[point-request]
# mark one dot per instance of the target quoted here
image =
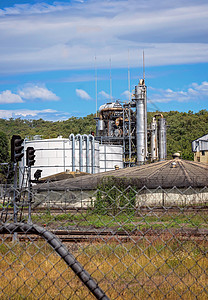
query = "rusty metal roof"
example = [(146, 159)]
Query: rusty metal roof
[(166, 174), (62, 176)]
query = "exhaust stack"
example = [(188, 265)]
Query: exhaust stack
[(154, 140), (141, 122), (162, 139), (158, 138)]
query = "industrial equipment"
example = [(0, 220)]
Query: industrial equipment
[(126, 124)]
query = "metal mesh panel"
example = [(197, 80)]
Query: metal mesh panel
[(135, 243)]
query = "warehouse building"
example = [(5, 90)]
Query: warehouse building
[(200, 149)]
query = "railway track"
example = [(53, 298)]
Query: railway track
[(67, 236)]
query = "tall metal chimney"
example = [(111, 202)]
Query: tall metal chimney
[(141, 122), (162, 139), (154, 142)]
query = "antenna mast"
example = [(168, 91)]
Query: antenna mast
[(110, 82), (96, 84), (129, 78), (143, 67)]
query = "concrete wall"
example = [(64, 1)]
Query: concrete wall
[(144, 197), (172, 197), (201, 156)]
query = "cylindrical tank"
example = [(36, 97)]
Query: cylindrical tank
[(101, 125), (79, 152), (140, 123), (154, 143), (110, 156), (162, 139)]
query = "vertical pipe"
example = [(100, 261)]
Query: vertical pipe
[(129, 111), (162, 139), (110, 83), (92, 153), (15, 200), (15, 192), (29, 221), (140, 123), (105, 157), (64, 156), (97, 124), (124, 142), (96, 85), (72, 138), (79, 137), (129, 79), (86, 137), (154, 144), (145, 120)]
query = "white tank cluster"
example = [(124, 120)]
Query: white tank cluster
[(80, 152)]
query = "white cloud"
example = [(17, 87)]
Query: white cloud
[(47, 114), (194, 93), (104, 95), (30, 92), (29, 9), (8, 97), (83, 94), (37, 92), (65, 35), (126, 94)]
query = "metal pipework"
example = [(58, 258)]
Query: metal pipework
[(140, 123), (162, 139), (79, 138), (154, 142), (72, 138), (92, 138), (86, 137)]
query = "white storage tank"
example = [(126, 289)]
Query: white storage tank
[(110, 156), (80, 152)]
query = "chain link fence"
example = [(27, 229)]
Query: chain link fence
[(105, 243)]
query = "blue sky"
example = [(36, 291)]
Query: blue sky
[(48, 50)]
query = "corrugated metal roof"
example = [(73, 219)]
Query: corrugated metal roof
[(204, 137), (200, 144), (167, 174)]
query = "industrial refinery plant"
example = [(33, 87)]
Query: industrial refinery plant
[(123, 139), (126, 125)]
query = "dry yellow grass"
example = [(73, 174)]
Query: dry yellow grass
[(142, 270)]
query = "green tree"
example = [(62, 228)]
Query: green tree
[(4, 149), (4, 156), (183, 128)]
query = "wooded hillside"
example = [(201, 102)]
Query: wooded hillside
[(183, 128)]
